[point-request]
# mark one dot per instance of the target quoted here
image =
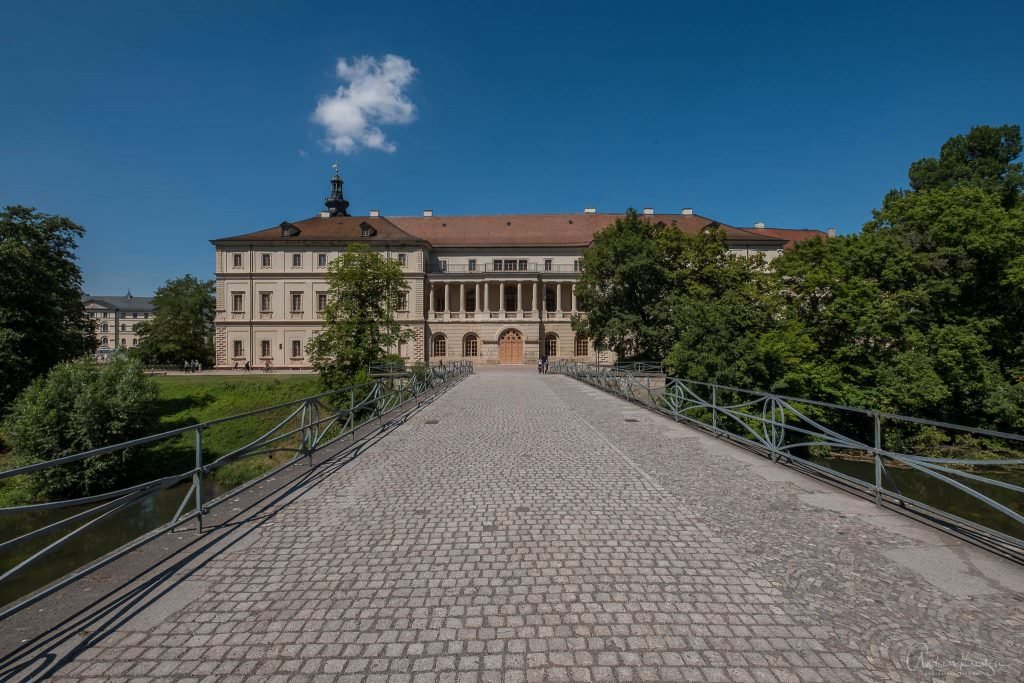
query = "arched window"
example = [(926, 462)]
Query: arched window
[(106, 327), (551, 345), (440, 346), (124, 328), (103, 341), (582, 346), (470, 346)]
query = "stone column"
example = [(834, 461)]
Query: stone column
[(447, 301), (479, 297), (430, 298), (558, 298), (462, 299), (572, 291), (501, 299), (487, 297), (519, 298), (536, 309)]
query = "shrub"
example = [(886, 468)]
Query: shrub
[(79, 406)]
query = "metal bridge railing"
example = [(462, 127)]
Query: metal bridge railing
[(303, 427), (966, 477)]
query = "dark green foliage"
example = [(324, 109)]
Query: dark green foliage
[(182, 324), (79, 406), (629, 273), (983, 158), (42, 317), (364, 290)]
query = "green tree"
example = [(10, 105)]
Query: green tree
[(182, 326), (923, 312), (42, 317), (364, 290), (628, 273), (983, 158), (78, 406)]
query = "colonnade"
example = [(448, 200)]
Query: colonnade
[(482, 290)]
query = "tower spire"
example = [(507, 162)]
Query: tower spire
[(336, 204)]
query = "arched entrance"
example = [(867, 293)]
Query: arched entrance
[(510, 347)]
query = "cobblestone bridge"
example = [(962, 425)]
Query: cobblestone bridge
[(530, 528)]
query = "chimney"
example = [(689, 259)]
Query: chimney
[(590, 209), (427, 213), (831, 232), (759, 225), (325, 214), (374, 213), (648, 211), (687, 211)]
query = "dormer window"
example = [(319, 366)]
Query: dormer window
[(366, 230), (288, 230)]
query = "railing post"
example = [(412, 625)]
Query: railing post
[(197, 478), (714, 407), (878, 458)]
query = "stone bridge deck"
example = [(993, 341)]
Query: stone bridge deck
[(530, 528)]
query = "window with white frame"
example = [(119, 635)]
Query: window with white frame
[(236, 260), (266, 301), (471, 346), (236, 348), (403, 302), (296, 302), (403, 260), (439, 348), (296, 348), (296, 260), (582, 346), (237, 301), (321, 302), (321, 260), (264, 348), (547, 264), (472, 265), (264, 260)]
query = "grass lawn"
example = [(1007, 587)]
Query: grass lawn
[(191, 399), (187, 400)]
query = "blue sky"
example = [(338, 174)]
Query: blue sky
[(159, 126)]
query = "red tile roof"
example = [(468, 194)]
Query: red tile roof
[(510, 230), (791, 235)]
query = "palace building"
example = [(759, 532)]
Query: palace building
[(490, 289)]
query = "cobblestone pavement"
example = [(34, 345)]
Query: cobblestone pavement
[(521, 529)]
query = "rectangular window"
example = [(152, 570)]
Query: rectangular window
[(510, 265), (497, 266), (265, 301), (264, 348), (549, 298), (577, 265), (236, 302), (547, 264), (403, 302), (321, 260), (296, 348), (236, 349), (296, 302), (296, 260), (135, 315), (522, 265), (442, 266), (402, 259), (265, 260), (472, 265), (236, 260), (321, 302)]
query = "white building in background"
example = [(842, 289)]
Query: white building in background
[(114, 319), (490, 289)]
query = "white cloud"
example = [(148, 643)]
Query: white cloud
[(371, 95)]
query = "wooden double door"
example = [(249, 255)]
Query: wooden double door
[(510, 347)]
